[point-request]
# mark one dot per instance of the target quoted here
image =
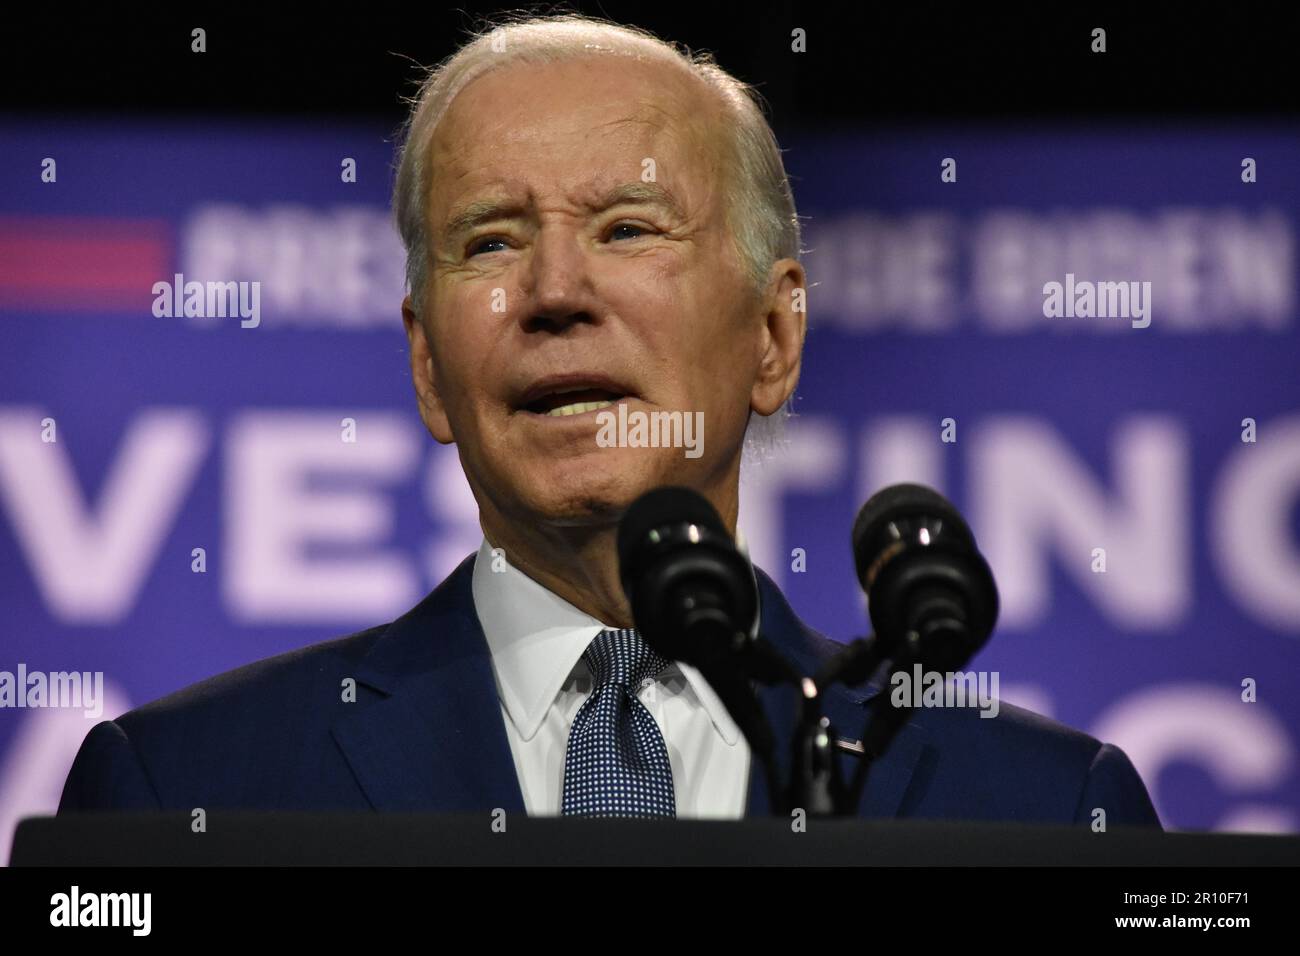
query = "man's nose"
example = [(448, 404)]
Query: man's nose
[(558, 279)]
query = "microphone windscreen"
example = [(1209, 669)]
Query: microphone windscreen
[(672, 504), (896, 503)]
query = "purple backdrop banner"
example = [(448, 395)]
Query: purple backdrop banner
[(1085, 336)]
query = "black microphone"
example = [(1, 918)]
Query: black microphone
[(694, 599), (931, 597), (930, 593), (693, 594)]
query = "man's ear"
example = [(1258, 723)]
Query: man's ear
[(785, 323), (426, 385)]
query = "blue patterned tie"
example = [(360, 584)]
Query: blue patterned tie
[(616, 764)]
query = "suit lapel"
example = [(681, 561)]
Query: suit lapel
[(889, 777), (435, 740)]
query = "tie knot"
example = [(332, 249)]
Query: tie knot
[(622, 657)]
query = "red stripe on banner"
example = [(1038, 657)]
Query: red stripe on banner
[(64, 262)]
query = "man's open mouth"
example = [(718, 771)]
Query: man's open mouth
[(573, 403), (561, 396)]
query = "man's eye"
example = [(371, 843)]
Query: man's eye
[(613, 233), (478, 245)]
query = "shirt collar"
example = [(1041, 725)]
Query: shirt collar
[(536, 638)]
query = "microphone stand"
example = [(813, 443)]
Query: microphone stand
[(883, 724), (814, 784), (856, 664)]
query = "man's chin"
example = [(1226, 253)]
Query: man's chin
[(585, 497)]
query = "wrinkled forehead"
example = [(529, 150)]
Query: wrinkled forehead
[(582, 124)]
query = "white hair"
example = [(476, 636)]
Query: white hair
[(759, 204)]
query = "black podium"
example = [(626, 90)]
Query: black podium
[(369, 839)]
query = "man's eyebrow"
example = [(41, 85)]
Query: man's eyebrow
[(650, 193), (479, 212), (487, 210)]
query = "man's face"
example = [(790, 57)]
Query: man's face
[(577, 280)]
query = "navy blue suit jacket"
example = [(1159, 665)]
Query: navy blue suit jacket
[(426, 733)]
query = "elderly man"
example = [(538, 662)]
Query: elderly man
[(595, 223)]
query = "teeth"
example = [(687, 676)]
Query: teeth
[(577, 408)]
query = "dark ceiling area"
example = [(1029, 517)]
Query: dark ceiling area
[(863, 62)]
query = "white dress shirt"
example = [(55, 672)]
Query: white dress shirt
[(536, 639)]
